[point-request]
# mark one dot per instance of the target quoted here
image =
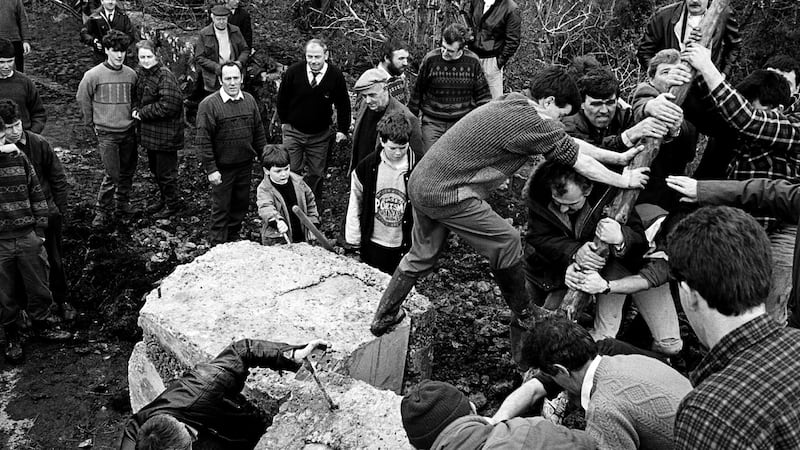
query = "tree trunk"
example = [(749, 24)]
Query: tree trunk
[(575, 301)]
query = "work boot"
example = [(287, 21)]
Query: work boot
[(167, 212), (48, 330), (65, 311), (390, 311), (511, 281), (101, 220), (12, 348)]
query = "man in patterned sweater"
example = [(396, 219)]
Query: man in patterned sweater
[(105, 97), (23, 261), (229, 134), (630, 400), (449, 186), (451, 83)]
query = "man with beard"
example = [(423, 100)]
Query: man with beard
[(377, 103), (394, 63)]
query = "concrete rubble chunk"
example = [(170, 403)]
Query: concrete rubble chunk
[(287, 294)]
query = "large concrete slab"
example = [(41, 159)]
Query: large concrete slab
[(287, 294)]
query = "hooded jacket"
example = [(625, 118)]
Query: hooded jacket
[(529, 433)]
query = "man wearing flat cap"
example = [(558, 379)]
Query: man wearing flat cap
[(376, 104), (437, 416), (217, 44)]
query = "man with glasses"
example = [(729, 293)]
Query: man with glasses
[(205, 407), (451, 83)]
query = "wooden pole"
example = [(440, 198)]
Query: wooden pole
[(619, 209)]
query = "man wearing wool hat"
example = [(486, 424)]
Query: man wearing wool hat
[(438, 416), (376, 104)]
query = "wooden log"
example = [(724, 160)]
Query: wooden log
[(619, 209)]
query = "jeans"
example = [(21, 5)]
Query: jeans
[(494, 76), (229, 203), (118, 153), (309, 151), (164, 166), (782, 245), (23, 260), (432, 130), (472, 220), (658, 310)]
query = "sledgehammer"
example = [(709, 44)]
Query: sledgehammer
[(323, 241), (331, 405)]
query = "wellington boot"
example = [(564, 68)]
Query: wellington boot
[(511, 281), (12, 348), (390, 312)]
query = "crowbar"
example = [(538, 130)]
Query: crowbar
[(323, 241), (332, 406)]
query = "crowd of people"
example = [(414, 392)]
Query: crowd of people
[(425, 157)]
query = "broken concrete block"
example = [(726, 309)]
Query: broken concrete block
[(287, 294), (144, 381), (366, 418)]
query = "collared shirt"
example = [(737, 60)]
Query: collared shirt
[(224, 41), (588, 382), (226, 98), (487, 4), (320, 74), (747, 392), (769, 147)]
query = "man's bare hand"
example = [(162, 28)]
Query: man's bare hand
[(574, 276), (636, 178), (626, 157), (609, 231), (26, 48), (694, 36), (700, 58), (587, 258), (593, 283), (340, 136), (685, 186), (215, 178), (300, 355), (649, 127), (663, 109)]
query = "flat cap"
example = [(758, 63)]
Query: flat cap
[(370, 78), (220, 10)]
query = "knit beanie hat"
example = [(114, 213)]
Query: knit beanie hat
[(428, 408), (6, 49)]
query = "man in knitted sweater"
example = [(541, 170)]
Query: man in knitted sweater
[(306, 97), (23, 261), (105, 96), (53, 180), (229, 135), (449, 186), (451, 83), (630, 400), (19, 88), (14, 27)]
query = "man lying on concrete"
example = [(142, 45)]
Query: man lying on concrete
[(206, 407), (449, 186), (630, 400), (437, 416)]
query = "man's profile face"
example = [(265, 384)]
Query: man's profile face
[(315, 56), (599, 111), (108, 5), (220, 22), (660, 79), (451, 52), (398, 63), (376, 97), (571, 201), (13, 132), (697, 7), (6, 67), (231, 80)]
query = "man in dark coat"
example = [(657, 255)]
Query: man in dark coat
[(497, 27), (104, 19), (206, 407), (208, 49), (677, 24), (376, 104)]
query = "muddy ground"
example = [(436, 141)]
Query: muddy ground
[(75, 395)]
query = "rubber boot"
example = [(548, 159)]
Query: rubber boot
[(390, 312), (511, 281), (12, 348)]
